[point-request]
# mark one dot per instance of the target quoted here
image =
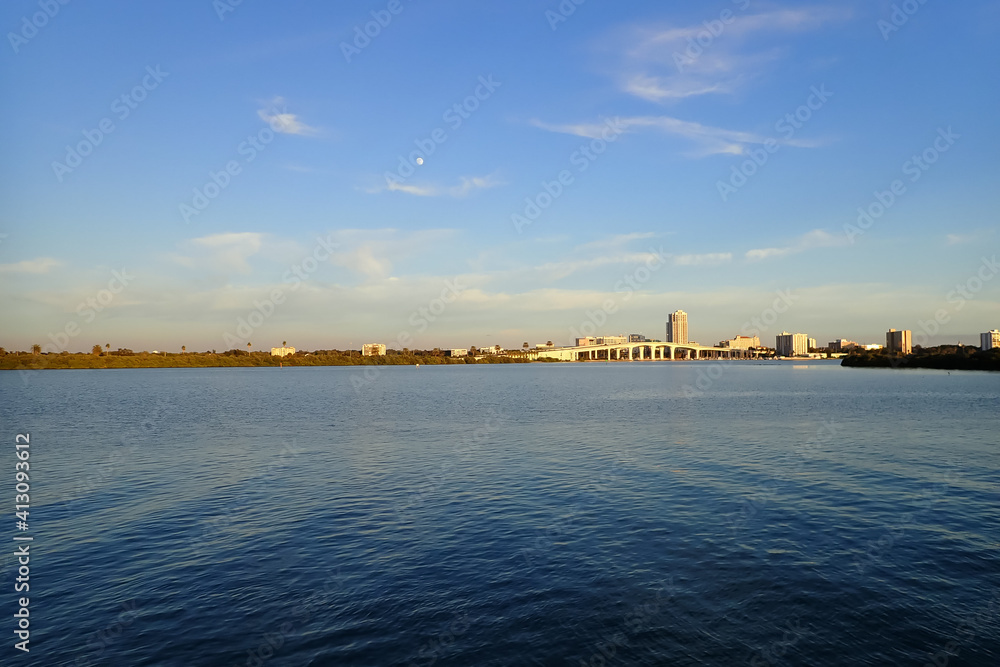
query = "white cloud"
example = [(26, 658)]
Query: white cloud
[(670, 63), (227, 251), (709, 140), (707, 259), (466, 186), (817, 238), (971, 237), (276, 115), (31, 266)]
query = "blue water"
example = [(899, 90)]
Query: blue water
[(561, 514)]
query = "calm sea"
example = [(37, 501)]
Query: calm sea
[(563, 514)]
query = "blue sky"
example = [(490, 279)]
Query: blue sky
[(713, 155)]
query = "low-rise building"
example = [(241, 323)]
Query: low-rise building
[(637, 338), (989, 340), (282, 351), (585, 341), (373, 350), (841, 345), (741, 342), (458, 352)]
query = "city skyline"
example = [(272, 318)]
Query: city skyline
[(621, 161)]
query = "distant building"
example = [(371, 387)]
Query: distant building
[(791, 345), (841, 345), (373, 350), (458, 352), (873, 346), (612, 340), (282, 351), (899, 341), (637, 338), (585, 341), (812, 343), (677, 327), (741, 343), (989, 340)]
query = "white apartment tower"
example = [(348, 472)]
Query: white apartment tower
[(677, 327)]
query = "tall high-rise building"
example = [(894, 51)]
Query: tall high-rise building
[(791, 345), (899, 341), (989, 340), (677, 327)]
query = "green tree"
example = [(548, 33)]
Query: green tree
[(96, 350)]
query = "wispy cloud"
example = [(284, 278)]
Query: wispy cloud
[(31, 266), (276, 115), (709, 140), (466, 186), (971, 237), (227, 251), (671, 62), (707, 259), (817, 238)]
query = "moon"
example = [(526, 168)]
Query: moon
[(420, 160)]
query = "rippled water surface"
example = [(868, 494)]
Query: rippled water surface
[(557, 514)]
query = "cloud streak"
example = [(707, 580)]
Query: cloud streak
[(276, 115)]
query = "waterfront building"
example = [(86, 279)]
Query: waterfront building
[(989, 340), (637, 338), (282, 351), (586, 340), (873, 346), (458, 352), (791, 345), (812, 343), (899, 341), (677, 327), (841, 345), (373, 350), (612, 340), (741, 343)]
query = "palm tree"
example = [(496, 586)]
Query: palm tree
[(96, 350), (284, 343), (107, 346), (183, 348), (36, 349), (248, 348)]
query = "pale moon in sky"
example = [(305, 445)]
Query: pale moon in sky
[(420, 160)]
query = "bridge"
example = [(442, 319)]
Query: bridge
[(645, 351)]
